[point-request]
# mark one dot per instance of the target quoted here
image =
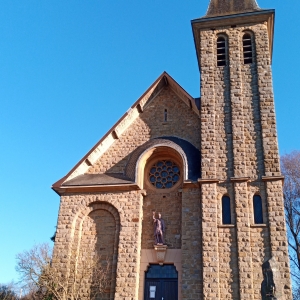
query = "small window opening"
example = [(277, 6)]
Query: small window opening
[(226, 211), (247, 49), (257, 209), (221, 52), (166, 115)]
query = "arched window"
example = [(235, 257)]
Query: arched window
[(257, 209), (247, 48), (226, 211), (221, 51)]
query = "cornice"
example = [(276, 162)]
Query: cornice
[(96, 188), (272, 178), (240, 179), (212, 23)]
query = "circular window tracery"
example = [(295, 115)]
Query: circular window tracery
[(164, 174)]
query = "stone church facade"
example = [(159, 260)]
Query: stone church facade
[(209, 165)]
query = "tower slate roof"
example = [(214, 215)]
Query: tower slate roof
[(230, 7)]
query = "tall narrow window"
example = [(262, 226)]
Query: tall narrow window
[(226, 211), (247, 48), (257, 209), (166, 115), (221, 52)]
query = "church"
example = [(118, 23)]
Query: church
[(184, 195)]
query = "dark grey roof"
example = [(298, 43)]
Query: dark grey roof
[(193, 156), (98, 179), (198, 102), (231, 7)]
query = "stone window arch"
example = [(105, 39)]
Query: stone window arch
[(163, 169), (161, 152), (187, 154)]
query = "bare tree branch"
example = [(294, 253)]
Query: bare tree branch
[(290, 167), (84, 279)]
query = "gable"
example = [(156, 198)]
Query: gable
[(182, 123), (144, 121)]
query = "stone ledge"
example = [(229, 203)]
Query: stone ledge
[(272, 178), (240, 179), (227, 226), (258, 225), (160, 251), (97, 188), (190, 184), (208, 180)]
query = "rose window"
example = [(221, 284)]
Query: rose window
[(164, 174)]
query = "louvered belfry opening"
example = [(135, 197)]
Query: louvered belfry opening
[(247, 48), (221, 52)]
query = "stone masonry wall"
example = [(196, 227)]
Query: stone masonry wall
[(128, 207), (209, 160), (182, 122), (223, 125), (210, 247), (254, 158), (267, 109), (192, 278), (227, 246), (243, 217), (239, 155), (228, 266), (99, 235), (278, 240)]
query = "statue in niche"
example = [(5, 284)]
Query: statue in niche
[(268, 287), (159, 229)]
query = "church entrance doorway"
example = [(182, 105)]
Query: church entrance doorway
[(161, 283)]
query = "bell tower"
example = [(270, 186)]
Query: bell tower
[(239, 153)]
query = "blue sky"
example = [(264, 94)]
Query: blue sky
[(70, 69)]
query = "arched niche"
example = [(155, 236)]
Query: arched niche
[(160, 152), (169, 157), (164, 200), (100, 236), (187, 153)]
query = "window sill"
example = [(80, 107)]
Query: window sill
[(226, 226), (258, 225)]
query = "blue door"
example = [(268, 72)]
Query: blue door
[(161, 283)]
